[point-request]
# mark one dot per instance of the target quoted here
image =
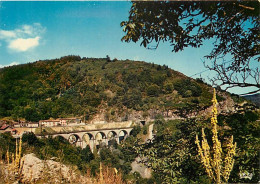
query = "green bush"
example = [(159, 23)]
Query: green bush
[(168, 88), (145, 130), (29, 138), (187, 88), (153, 90), (136, 130)]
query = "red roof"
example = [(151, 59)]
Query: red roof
[(5, 126)]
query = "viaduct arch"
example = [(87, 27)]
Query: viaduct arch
[(95, 138)]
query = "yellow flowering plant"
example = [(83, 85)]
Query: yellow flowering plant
[(217, 169), (17, 160)]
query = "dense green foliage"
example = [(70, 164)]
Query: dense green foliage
[(61, 150), (74, 86), (245, 128), (172, 155), (187, 88)]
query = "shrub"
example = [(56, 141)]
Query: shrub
[(187, 88), (136, 130), (153, 90), (29, 138), (145, 130)]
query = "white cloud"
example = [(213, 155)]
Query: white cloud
[(23, 38), (11, 64), (31, 30), (22, 45), (7, 34), (28, 29)]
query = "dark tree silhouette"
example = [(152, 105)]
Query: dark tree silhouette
[(234, 27)]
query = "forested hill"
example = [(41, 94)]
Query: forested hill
[(254, 98), (75, 86)]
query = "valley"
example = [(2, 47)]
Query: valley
[(128, 115)]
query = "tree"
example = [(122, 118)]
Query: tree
[(86, 155), (31, 114), (153, 90), (29, 138), (108, 58), (187, 88), (233, 27), (136, 130), (172, 154), (245, 129)]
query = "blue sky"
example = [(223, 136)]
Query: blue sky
[(31, 31)]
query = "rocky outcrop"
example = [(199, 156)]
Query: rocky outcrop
[(142, 169), (49, 171)]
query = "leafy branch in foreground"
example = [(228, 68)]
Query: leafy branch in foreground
[(232, 26), (216, 169)]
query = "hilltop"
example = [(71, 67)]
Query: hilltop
[(100, 89), (255, 98)]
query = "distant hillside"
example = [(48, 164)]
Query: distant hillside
[(254, 98), (93, 88)]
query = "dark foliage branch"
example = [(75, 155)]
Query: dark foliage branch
[(233, 25), (229, 78)]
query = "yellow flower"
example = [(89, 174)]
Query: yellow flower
[(214, 163)]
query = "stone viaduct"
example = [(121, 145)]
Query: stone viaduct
[(94, 135)]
